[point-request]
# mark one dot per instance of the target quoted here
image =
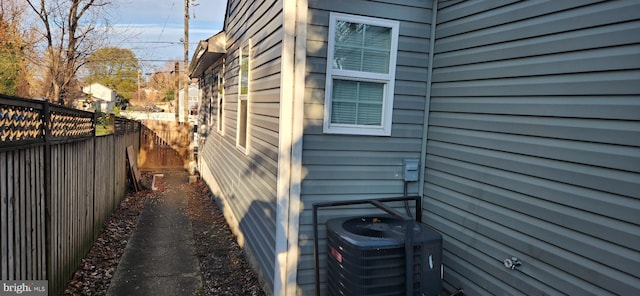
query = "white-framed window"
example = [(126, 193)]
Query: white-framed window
[(219, 95), (242, 136), (361, 66)]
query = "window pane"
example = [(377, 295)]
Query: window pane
[(349, 34), (343, 113), (244, 74), (376, 61), (377, 38), (357, 102), (242, 126), (220, 114), (344, 102), (362, 47), (347, 58), (371, 92), (369, 114)]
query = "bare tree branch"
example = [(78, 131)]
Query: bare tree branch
[(71, 35)]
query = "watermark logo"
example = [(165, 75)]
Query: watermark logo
[(23, 288)]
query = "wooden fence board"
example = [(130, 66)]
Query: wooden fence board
[(29, 214), (71, 246), (56, 166), (52, 208), (66, 224), (22, 219), (20, 231), (61, 256), (10, 217), (88, 194), (42, 235), (4, 205), (17, 215)]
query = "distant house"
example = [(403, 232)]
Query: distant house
[(102, 97), (192, 103), (523, 115)]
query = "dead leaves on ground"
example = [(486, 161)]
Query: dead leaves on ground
[(97, 268), (223, 266)]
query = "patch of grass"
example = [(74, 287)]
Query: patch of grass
[(103, 130)]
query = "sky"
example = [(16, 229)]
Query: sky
[(153, 29)]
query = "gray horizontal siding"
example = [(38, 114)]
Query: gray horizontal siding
[(624, 33), (248, 181), (618, 107), (602, 59), (534, 146), (505, 23), (345, 167)]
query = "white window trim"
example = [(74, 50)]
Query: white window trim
[(388, 79), (246, 47)]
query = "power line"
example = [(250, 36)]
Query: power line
[(166, 20), (139, 60), (161, 60), (160, 42)]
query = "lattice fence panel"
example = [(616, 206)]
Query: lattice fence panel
[(20, 123), (65, 123)]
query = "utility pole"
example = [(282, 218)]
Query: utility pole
[(176, 96), (185, 88)]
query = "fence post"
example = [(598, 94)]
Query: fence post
[(114, 187), (46, 118), (94, 233)]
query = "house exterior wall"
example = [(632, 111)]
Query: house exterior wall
[(246, 180), (534, 146), (348, 167), (102, 92), (193, 93)]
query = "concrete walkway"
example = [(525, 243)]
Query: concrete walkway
[(159, 258)]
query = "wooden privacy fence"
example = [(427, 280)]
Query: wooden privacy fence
[(165, 145), (58, 184)]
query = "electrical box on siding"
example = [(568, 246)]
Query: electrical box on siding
[(411, 168)]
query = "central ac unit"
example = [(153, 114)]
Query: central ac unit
[(367, 257)]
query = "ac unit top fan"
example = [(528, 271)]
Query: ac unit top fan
[(363, 231), (373, 226)]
